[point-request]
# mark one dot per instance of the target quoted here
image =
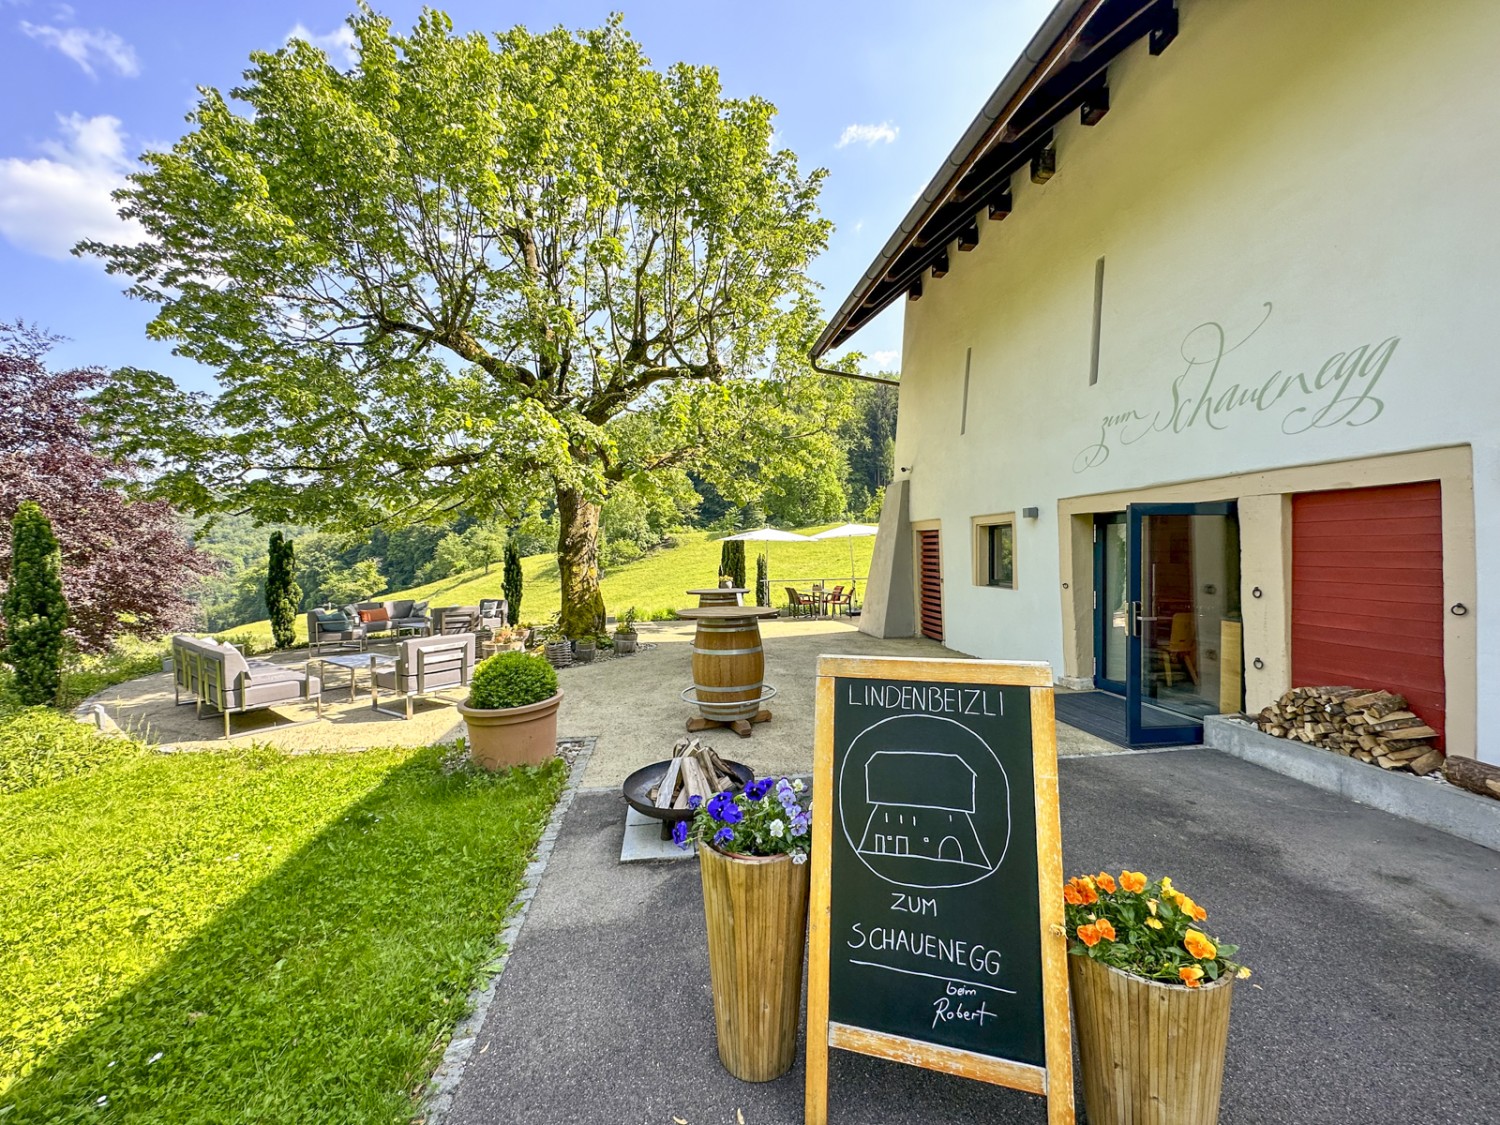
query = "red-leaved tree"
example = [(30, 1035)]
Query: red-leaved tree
[(127, 567)]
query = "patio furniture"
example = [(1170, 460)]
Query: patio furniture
[(453, 620), (799, 604), (422, 667), (333, 628), (354, 662), (231, 685), (392, 617), (494, 613), (839, 598)]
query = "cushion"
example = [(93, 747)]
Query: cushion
[(418, 609), (333, 622), (370, 615)]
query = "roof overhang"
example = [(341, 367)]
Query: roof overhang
[(1064, 69)]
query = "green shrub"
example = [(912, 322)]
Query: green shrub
[(512, 679), (35, 611), (39, 746)]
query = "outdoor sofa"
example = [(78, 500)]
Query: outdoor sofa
[(424, 666), (221, 679), (353, 625)]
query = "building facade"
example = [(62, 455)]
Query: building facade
[(1200, 402)]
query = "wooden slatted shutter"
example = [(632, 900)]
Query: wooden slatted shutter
[(1367, 592), (930, 579)]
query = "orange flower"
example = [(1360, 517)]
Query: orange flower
[(1191, 975), (1106, 929), (1199, 913), (1089, 935), (1133, 881), (1084, 890), (1199, 946), (1106, 881), (1071, 895)]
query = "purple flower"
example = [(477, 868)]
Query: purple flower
[(680, 833), (716, 805), (799, 825), (723, 834), (758, 789), (732, 813), (694, 801)]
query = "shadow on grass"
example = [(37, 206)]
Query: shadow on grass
[(323, 993)]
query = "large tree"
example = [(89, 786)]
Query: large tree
[(468, 268), (126, 567)]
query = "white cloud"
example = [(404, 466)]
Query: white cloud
[(48, 204), (868, 135), (859, 225), (86, 47), (338, 43), (883, 361)]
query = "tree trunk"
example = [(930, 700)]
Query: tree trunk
[(578, 563)]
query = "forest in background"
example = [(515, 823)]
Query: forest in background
[(637, 519)]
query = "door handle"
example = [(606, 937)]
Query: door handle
[(1133, 621)]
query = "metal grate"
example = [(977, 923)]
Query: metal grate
[(931, 588)]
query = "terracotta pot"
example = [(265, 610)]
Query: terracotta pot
[(756, 909), (1152, 1053), (512, 736)]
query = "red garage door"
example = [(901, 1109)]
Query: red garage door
[(1367, 592)]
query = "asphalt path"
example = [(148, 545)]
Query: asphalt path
[(1375, 945)]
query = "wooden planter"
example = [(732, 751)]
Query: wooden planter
[(626, 642), (512, 736), (1152, 1053), (756, 908), (583, 651)]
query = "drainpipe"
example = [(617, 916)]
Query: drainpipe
[(812, 358)]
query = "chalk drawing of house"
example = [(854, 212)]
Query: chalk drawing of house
[(923, 807)]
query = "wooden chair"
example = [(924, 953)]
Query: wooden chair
[(839, 598), (1182, 642), (799, 605)]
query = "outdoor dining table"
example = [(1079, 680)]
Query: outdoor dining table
[(729, 668)]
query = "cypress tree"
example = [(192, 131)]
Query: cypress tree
[(283, 595), (36, 613), (762, 580), (732, 561), (512, 581)]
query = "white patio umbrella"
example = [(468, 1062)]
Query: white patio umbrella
[(851, 532), (766, 535)]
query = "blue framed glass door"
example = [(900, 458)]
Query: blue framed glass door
[(1183, 582), (1111, 601)]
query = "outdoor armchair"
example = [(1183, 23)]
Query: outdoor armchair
[(455, 619), (229, 684), (494, 613), (424, 666), (335, 628)]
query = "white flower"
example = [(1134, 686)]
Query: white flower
[(154, 1058), (798, 786), (778, 828), (799, 858)]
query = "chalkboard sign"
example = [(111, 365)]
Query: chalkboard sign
[(937, 874)]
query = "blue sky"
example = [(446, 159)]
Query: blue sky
[(875, 92)]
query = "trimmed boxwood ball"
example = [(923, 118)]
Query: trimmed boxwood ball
[(512, 679)]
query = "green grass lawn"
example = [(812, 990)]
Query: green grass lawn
[(249, 936), (652, 584)]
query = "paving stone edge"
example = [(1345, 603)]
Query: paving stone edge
[(437, 1103)]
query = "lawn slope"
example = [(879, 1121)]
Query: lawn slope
[(652, 584)]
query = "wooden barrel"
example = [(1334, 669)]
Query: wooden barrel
[(725, 596), (729, 668), (756, 910), (1151, 1053)]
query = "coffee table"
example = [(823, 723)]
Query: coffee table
[(356, 661)]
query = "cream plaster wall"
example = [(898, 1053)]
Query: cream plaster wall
[(1306, 180)]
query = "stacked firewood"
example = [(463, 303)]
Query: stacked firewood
[(695, 771), (1373, 726)]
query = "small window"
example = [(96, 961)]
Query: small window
[(995, 550), (1001, 569)]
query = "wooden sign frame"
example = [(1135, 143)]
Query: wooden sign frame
[(1054, 1080)]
